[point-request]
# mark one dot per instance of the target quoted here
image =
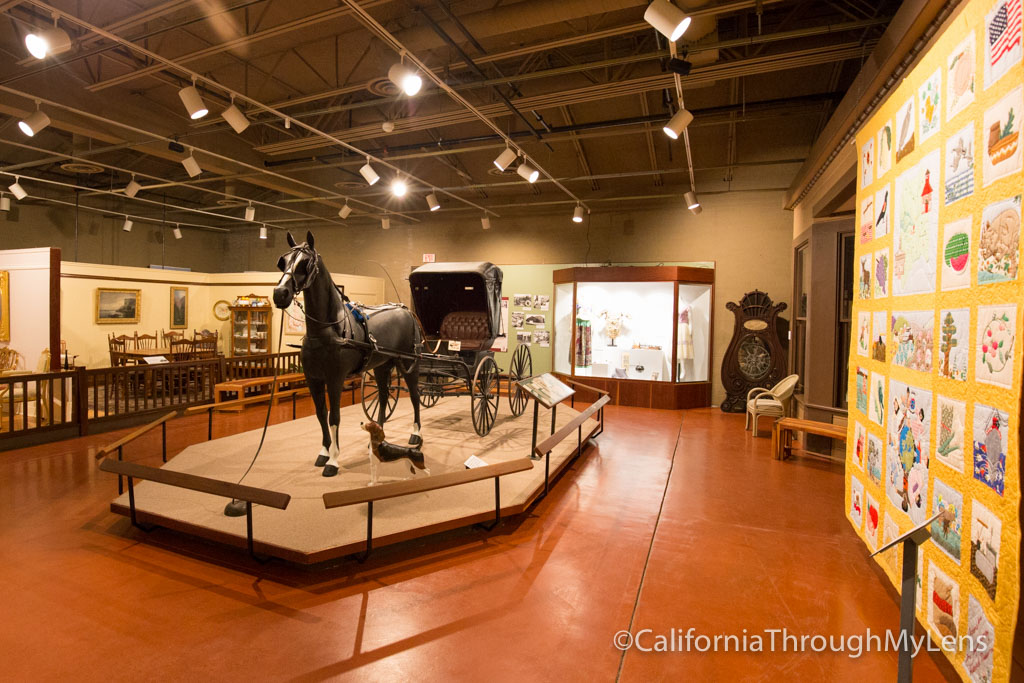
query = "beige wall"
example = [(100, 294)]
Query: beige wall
[(29, 271)]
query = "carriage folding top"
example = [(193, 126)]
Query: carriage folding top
[(459, 301)]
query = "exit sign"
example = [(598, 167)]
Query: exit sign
[(428, 258)]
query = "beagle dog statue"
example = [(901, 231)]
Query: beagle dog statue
[(382, 451)]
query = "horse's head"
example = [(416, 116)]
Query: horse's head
[(299, 268)]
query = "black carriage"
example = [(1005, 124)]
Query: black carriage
[(459, 306)]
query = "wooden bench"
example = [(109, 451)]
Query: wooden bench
[(239, 386), (782, 433)]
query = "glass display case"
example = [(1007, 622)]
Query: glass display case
[(641, 333), (250, 325)]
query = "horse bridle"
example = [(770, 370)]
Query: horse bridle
[(309, 251)]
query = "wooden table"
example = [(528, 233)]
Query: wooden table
[(782, 433), (139, 354)]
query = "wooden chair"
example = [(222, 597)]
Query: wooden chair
[(118, 345), (773, 402), (169, 337), (9, 359), (205, 348), (181, 349), (28, 391), (145, 341)]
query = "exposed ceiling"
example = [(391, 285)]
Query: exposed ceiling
[(580, 85)]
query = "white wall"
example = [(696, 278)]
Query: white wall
[(30, 301)]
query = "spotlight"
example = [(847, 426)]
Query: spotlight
[(405, 78), (505, 159), (235, 118), (485, 222), (528, 172), (5, 203), (388, 126), (345, 211), (577, 214), (127, 227), (16, 189), (34, 122), (194, 104), (432, 202), (678, 123), (691, 202), (368, 173), (250, 212), (287, 124), (177, 232), (132, 188), (191, 165), (398, 187), (385, 223), (263, 232), (50, 41), (669, 20), (679, 66)]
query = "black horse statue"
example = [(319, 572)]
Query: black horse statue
[(343, 340)]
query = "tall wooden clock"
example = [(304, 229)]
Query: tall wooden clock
[(756, 356)]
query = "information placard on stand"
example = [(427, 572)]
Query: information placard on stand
[(547, 390)]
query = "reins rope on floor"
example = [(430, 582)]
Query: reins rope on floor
[(270, 404)]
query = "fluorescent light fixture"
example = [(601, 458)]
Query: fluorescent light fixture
[(250, 212), (194, 104), (50, 41), (432, 202), (485, 222), (385, 223), (191, 165), (528, 172), (405, 78), (235, 118), (345, 211), (368, 173), (669, 20), (691, 202), (16, 189), (132, 188), (398, 187), (34, 122), (263, 232), (127, 227), (177, 232), (505, 159), (5, 203), (577, 214), (678, 123)]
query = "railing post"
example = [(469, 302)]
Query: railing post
[(163, 440), (81, 393), (120, 480)]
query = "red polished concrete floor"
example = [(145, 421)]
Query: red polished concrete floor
[(675, 520)]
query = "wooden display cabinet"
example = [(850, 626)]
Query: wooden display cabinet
[(250, 325)]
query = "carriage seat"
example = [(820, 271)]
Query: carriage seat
[(472, 328)]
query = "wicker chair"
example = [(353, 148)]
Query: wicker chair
[(26, 393), (9, 359), (772, 402)]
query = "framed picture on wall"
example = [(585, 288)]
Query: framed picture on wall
[(118, 305), (5, 306), (179, 308)]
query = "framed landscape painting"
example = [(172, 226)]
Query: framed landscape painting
[(179, 308), (118, 305)]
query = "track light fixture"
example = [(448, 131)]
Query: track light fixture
[(432, 202), (250, 212), (34, 122), (132, 188), (263, 232), (691, 202), (369, 175), (405, 78), (485, 222), (49, 41), (528, 172), (5, 203), (505, 159), (398, 187), (287, 124), (235, 118), (194, 104), (669, 20), (385, 222), (345, 211), (577, 214), (16, 189), (177, 232), (191, 165), (678, 123), (127, 226)]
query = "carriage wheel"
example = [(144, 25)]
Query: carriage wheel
[(430, 391), (370, 395), (521, 368), (485, 396)]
